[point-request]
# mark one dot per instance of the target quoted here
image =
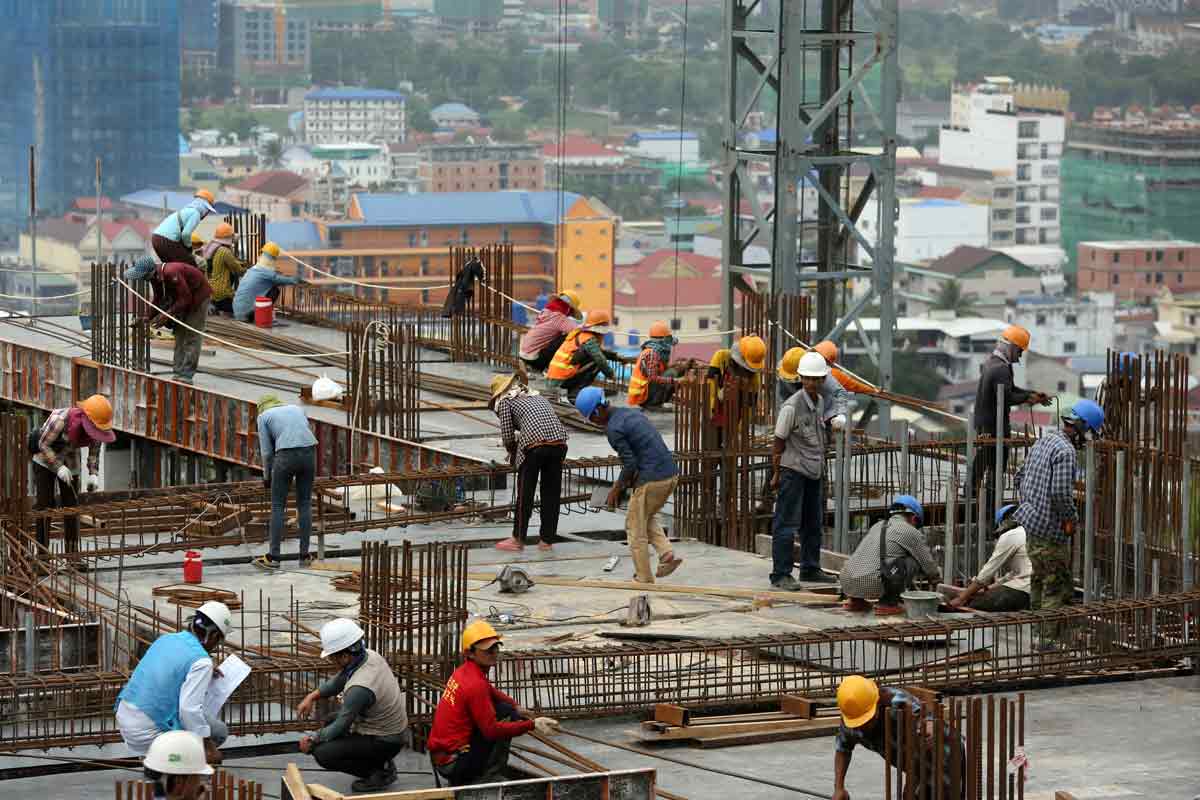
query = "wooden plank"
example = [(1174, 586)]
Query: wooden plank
[(671, 714), (1063, 796), (320, 792), (736, 728), (293, 784), (802, 707), (772, 736)]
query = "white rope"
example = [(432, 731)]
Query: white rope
[(39, 299), (343, 279)]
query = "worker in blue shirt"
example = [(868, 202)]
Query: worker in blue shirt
[(261, 280), (172, 239), (289, 452)]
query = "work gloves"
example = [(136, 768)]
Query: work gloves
[(64, 474), (838, 422), (91, 483), (545, 726)]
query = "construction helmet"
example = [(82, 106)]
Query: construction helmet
[(789, 363), (812, 365), (218, 614), (750, 352), (588, 400), (910, 504), (1088, 413), (177, 753), (271, 249), (828, 350), (339, 634), (197, 239), (571, 299), (1004, 512), (858, 700), (1016, 335), (206, 196), (598, 319), (223, 231), (476, 632), (99, 412), (659, 328)]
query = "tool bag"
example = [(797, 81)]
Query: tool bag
[(892, 574)]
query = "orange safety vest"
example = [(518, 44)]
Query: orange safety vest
[(563, 365), (639, 384)]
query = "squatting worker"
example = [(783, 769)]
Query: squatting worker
[(863, 705), (474, 723), (889, 559), (652, 382), (540, 343), (190, 294), (172, 239), (1009, 568), (536, 441), (581, 358), (648, 466), (55, 449), (261, 280), (289, 453), (837, 399), (175, 764), (167, 689), (224, 268), (371, 726)]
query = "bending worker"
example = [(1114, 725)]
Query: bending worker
[(1009, 567), (189, 293), (652, 383), (371, 727), (837, 399), (172, 239), (224, 268), (289, 453), (738, 368), (581, 357), (540, 343), (261, 280), (176, 765), (167, 689), (474, 723), (889, 559)]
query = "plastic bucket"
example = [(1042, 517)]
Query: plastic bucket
[(264, 312), (919, 605), (193, 567)]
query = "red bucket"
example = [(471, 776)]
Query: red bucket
[(264, 312), (193, 567)]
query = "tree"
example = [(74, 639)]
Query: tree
[(951, 297), (417, 110), (540, 103), (911, 375), (509, 126), (273, 153)]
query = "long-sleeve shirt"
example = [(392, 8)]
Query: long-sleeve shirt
[(860, 575), (592, 346), (996, 371), (256, 283), (55, 448), (548, 326), (355, 701), (643, 452), (178, 226), (224, 268), (186, 285), (1009, 562), (527, 420), (280, 428), (654, 368), (138, 730), (469, 704), (1047, 487)]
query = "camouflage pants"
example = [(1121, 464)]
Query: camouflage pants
[(1051, 585)]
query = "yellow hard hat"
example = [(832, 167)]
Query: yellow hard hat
[(476, 632), (271, 249), (570, 298), (789, 363), (197, 239), (751, 353), (858, 700)]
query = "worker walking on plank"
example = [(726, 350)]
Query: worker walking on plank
[(371, 726), (1047, 509), (889, 559), (646, 465), (474, 723), (167, 689), (798, 459), (261, 280), (190, 295), (224, 268), (55, 450), (864, 706), (1009, 567), (536, 442), (652, 383), (540, 343), (289, 452), (176, 765), (172, 239), (787, 382), (581, 357)]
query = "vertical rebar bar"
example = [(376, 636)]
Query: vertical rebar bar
[(1089, 541)]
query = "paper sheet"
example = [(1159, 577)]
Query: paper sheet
[(233, 672)]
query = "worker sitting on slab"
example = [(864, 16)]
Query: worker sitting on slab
[(652, 383), (198, 251), (646, 465), (798, 459), (172, 239), (55, 450), (371, 727), (190, 294), (289, 452), (261, 280), (168, 688), (864, 704), (549, 331), (581, 356), (738, 368), (176, 765), (1009, 567), (474, 723), (224, 268), (536, 442), (889, 559), (787, 383)]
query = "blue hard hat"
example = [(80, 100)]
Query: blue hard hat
[(1004, 512), (907, 502), (1087, 412), (587, 401)]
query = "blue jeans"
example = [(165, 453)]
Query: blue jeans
[(299, 463), (798, 507)]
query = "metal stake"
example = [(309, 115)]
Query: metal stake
[(1089, 529), (1185, 525), (1118, 529), (951, 519), (998, 474)]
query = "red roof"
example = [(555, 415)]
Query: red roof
[(653, 282), (276, 182), (941, 192), (142, 228), (89, 204), (578, 147)]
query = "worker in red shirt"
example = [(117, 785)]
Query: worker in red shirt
[(475, 722)]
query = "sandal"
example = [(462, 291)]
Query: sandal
[(545, 546), (668, 566), (511, 545), (266, 562)]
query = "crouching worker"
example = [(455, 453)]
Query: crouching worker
[(371, 727), (175, 764), (581, 357), (1003, 583), (549, 331), (475, 722), (652, 383), (261, 280), (889, 559)]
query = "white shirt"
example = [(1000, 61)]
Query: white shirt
[(1009, 563), (138, 730)]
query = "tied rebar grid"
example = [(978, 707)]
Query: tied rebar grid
[(382, 377), (484, 331), (249, 235), (760, 313), (113, 308), (221, 786)]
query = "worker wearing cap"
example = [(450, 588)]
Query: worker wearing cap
[(889, 559), (581, 357), (649, 468), (172, 239), (1009, 568), (289, 453), (261, 280), (540, 343), (798, 460), (176, 765), (224, 268), (371, 726), (652, 382), (475, 723), (190, 296), (55, 450), (167, 689), (787, 382), (737, 367)]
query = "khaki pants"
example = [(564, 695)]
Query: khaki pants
[(641, 524)]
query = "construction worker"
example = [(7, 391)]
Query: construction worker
[(168, 688), (198, 250), (289, 452), (371, 726), (475, 722), (863, 705), (536, 441), (787, 383), (581, 357), (1009, 568), (1047, 511), (224, 268), (261, 280), (55, 450), (798, 459), (176, 765), (889, 559), (190, 295), (550, 329), (652, 383), (648, 467), (742, 364), (172, 239)]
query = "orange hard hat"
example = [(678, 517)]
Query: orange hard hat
[(752, 351), (658, 329), (597, 318), (1015, 334), (205, 195), (223, 231), (829, 350), (98, 415)]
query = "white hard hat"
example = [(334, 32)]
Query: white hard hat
[(177, 753), (813, 365), (338, 634), (218, 613)]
